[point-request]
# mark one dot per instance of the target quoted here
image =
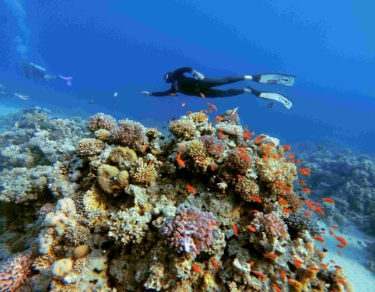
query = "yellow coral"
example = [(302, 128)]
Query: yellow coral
[(92, 200), (106, 173), (247, 188), (124, 153), (142, 173), (103, 134), (196, 148), (90, 146), (183, 128), (123, 179)]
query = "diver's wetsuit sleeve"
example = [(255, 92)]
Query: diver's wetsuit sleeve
[(164, 93), (183, 70)]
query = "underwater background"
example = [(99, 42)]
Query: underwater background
[(60, 171)]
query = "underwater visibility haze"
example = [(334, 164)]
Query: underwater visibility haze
[(187, 145)]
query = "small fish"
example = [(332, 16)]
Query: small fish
[(196, 268), (286, 147), (183, 104), (251, 263), (233, 111), (24, 97), (115, 94), (319, 238), (339, 253), (259, 274), (116, 187), (331, 232), (256, 199), (277, 289), (334, 226), (286, 210), (282, 273), (251, 228), (114, 102), (207, 102), (298, 262), (212, 224), (340, 246), (214, 106), (191, 189), (270, 105), (214, 263), (328, 200), (313, 268), (144, 147), (235, 230), (202, 95), (342, 240), (271, 256), (283, 202), (91, 101)]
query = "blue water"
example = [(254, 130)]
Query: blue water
[(112, 46)]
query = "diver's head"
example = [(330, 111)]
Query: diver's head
[(168, 77)]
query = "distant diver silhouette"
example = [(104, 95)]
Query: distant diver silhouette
[(202, 87), (34, 71)]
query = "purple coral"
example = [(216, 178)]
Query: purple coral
[(100, 121), (214, 146), (190, 230), (129, 133)]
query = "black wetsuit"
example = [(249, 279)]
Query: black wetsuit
[(191, 86)]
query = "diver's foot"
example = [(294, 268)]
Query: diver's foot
[(248, 77)]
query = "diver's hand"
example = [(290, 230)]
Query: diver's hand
[(146, 93), (197, 75)]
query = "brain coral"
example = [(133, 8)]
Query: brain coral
[(189, 231), (101, 121), (106, 173), (90, 146), (103, 135), (142, 173), (123, 153), (130, 133)]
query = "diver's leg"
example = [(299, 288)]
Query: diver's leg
[(211, 82), (271, 96), (213, 93)]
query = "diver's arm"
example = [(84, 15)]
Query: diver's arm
[(163, 93)]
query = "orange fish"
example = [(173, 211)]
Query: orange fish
[(340, 253), (180, 161), (307, 191), (235, 230), (239, 176), (331, 232), (214, 263), (251, 228), (319, 238), (298, 262), (256, 199), (172, 94), (251, 263), (150, 163), (324, 266), (277, 289), (189, 112), (259, 274), (202, 95), (213, 224), (298, 162), (328, 200), (282, 273), (277, 172), (255, 211), (196, 268), (116, 187), (181, 148), (313, 268), (283, 202), (334, 226), (340, 246), (286, 147), (191, 189), (271, 256), (183, 104), (214, 106), (341, 239), (286, 210), (144, 147), (246, 136), (208, 103), (302, 183), (287, 188)]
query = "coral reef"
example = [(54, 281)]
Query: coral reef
[(123, 208)]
